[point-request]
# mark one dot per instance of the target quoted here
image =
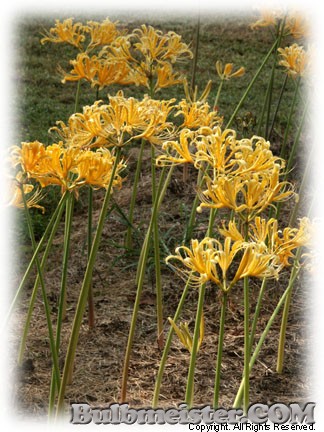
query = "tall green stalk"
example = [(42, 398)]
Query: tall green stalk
[(128, 241), (167, 346), (257, 313), (218, 93), (220, 348), (278, 105), (55, 219), (291, 111), (238, 400), (37, 280), (44, 294), (250, 85), (246, 372), (195, 58), (140, 277), (292, 155), (62, 300), (195, 341), (91, 312), (70, 355)]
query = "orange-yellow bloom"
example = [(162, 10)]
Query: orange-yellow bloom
[(183, 333), (295, 59), (66, 32), (280, 243), (212, 260), (101, 33), (32, 197), (28, 155), (227, 73)]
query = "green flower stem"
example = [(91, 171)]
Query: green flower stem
[(296, 141), (246, 371), (213, 213), (62, 301), (128, 242), (303, 183), (158, 283), (257, 313), (292, 155), (56, 217), (44, 294), (66, 250), (70, 355), (192, 219), (278, 105), (275, 61), (157, 265), (77, 96), (284, 322), (287, 130), (218, 94), (167, 346), (195, 341), (220, 349), (37, 281), (91, 312), (251, 84), (140, 276), (238, 400), (195, 58)]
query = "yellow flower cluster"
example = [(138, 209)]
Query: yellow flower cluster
[(143, 57), (212, 260), (296, 24), (68, 167), (277, 242), (100, 33), (294, 59), (183, 333), (16, 188), (242, 175), (227, 73), (118, 123)]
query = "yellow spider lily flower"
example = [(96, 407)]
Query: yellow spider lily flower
[(197, 114), (245, 194), (295, 59), (297, 25), (65, 32), (28, 155), (277, 242), (212, 260), (56, 167), (183, 150), (84, 67), (165, 77), (84, 129), (183, 333), (216, 147), (198, 261), (16, 199), (227, 73), (156, 46), (118, 123), (191, 96), (268, 19), (101, 33), (100, 72), (254, 155), (256, 262), (95, 168)]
